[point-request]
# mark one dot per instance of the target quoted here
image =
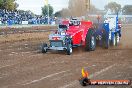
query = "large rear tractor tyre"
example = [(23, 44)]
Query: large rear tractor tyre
[(105, 40), (90, 41), (44, 48)]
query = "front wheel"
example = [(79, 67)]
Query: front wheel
[(44, 48), (69, 46), (69, 50)]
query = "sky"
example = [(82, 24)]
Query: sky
[(35, 5)]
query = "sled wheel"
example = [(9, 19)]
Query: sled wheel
[(105, 39), (117, 38), (113, 42)]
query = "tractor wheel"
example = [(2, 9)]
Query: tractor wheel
[(105, 39), (69, 47), (117, 38), (90, 40), (113, 42), (44, 48)]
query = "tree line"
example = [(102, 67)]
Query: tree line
[(79, 8), (116, 8), (75, 8), (11, 5), (8, 4)]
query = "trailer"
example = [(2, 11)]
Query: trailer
[(75, 33)]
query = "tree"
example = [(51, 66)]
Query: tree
[(8, 4), (62, 13), (58, 14), (1, 4), (113, 7), (45, 10), (127, 10), (93, 9)]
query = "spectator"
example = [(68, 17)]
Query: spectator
[(16, 17)]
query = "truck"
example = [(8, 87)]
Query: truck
[(75, 33)]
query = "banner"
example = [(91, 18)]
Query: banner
[(24, 22)]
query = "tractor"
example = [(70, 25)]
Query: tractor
[(75, 33)]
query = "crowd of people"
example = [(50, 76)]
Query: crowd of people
[(18, 16)]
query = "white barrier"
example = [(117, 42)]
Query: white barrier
[(53, 23), (24, 22)]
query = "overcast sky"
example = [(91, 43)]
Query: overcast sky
[(35, 5)]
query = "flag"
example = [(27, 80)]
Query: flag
[(110, 1), (46, 2)]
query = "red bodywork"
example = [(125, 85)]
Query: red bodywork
[(78, 33)]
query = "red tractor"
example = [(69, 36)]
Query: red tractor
[(76, 33), (71, 34)]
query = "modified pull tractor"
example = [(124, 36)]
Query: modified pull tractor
[(71, 34), (75, 33)]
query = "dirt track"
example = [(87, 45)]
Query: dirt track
[(23, 66)]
